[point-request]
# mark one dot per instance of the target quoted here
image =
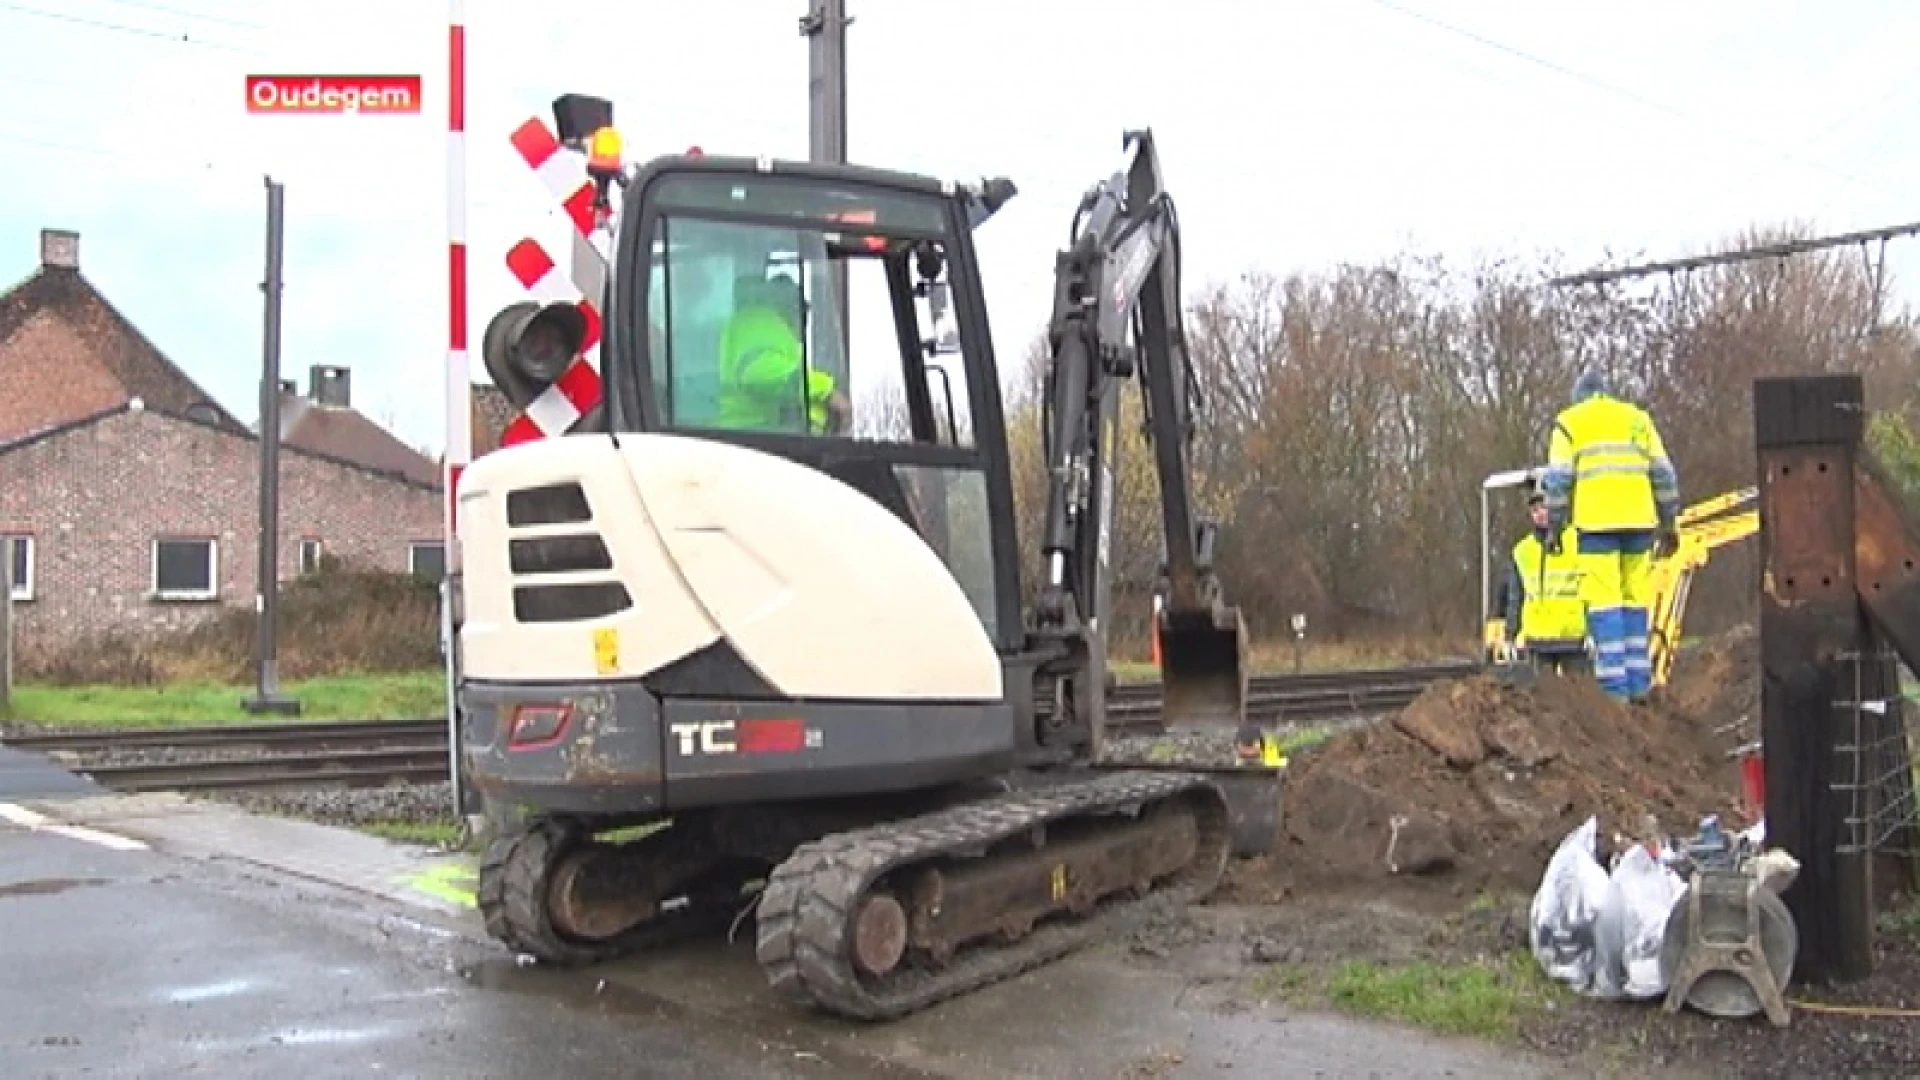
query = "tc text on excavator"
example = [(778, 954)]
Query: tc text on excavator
[(767, 602)]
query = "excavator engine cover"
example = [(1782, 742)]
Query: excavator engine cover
[(1203, 669)]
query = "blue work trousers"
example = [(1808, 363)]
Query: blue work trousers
[(1615, 570)]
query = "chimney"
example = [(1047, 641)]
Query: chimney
[(330, 386), (60, 248), (289, 388)]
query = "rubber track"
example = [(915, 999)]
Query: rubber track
[(512, 902), (804, 942)]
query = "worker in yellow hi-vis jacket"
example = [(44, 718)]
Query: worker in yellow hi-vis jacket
[(1608, 475), (1545, 613)]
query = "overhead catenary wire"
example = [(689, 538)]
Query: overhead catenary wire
[(1646, 100), (1781, 250), (183, 13), (181, 38)]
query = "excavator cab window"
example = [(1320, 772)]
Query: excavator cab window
[(746, 344)]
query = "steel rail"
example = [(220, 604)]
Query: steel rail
[(353, 768), (322, 735), (376, 752)]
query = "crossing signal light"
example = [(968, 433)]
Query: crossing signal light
[(527, 347)]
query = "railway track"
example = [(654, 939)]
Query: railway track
[(378, 753), (293, 738), (345, 768), (372, 753)]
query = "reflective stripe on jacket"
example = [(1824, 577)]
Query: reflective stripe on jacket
[(760, 366), (1552, 609), (1607, 469)]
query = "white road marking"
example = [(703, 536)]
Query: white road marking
[(28, 819)]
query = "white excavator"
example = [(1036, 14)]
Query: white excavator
[(781, 648)]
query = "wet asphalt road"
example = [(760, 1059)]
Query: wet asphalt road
[(134, 964), (142, 964)]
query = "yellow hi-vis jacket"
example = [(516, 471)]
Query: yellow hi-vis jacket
[(763, 374), (1607, 469), (1551, 609)]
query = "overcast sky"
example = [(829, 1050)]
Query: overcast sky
[(1295, 134)]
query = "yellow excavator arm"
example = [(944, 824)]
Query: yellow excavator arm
[(1704, 527)]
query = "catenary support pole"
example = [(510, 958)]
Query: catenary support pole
[(267, 697), (825, 28)]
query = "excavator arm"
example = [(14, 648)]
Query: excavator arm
[(1117, 316), (1704, 527)]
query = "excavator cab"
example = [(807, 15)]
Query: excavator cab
[(794, 313)]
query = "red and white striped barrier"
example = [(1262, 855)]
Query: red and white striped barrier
[(564, 173), (459, 385)]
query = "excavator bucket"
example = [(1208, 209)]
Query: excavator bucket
[(1203, 679), (1203, 669)]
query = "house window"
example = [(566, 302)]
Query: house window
[(20, 567), (186, 569), (428, 559), (309, 556)]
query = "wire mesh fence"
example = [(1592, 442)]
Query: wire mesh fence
[(1877, 766)]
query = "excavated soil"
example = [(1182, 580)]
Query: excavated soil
[(1423, 837), (1471, 787)]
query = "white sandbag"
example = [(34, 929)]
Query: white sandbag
[(1776, 870), (1631, 925), (1565, 907)]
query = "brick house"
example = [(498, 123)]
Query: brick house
[(133, 496)]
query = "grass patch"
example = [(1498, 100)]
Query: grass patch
[(1484, 1000), (442, 835), (1306, 738), (414, 695)]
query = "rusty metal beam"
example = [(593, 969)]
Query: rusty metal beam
[(1807, 433), (1887, 553), (1887, 561)]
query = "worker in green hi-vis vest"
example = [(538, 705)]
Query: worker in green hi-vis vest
[(765, 381)]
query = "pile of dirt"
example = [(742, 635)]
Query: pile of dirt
[(1474, 784), (1717, 682)]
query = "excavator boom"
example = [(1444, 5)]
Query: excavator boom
[(1704, 527), (1117, 315)]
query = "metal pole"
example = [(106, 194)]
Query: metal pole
[(825, 27), (267, 588), (1486, 565), (459, 395), (6, 625)]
